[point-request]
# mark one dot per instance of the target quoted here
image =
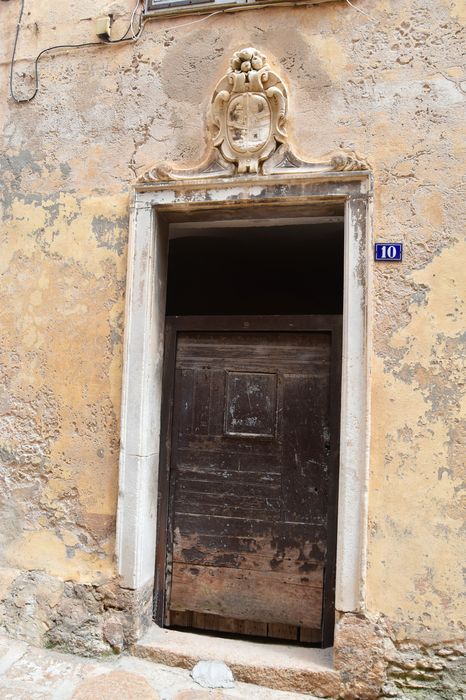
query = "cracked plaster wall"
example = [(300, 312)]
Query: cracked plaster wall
[(391, 86)]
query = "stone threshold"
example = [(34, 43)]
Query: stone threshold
[(279, 666)]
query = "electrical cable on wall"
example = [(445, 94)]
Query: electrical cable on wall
[(135, 35), (358, 9), (125, 39)]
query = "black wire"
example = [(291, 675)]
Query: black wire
[(121, 40), (14, 53)]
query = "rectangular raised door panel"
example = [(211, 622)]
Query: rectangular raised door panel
[(249, 476)]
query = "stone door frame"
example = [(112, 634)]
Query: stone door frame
[(246, 197)]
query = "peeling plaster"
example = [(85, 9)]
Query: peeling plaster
[(390, 87)]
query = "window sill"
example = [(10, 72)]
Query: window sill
[(159, 8)]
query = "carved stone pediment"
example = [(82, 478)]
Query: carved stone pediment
[(247, 125)]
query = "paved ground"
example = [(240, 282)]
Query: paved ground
[(29, 673)]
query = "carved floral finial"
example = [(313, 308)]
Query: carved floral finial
[(247, 60), (248, 66)]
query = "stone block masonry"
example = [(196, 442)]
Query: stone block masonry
[(78, 618)]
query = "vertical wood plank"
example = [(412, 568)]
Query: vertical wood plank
[(282, 631), (310, 636), (255, 629), (181, 618)]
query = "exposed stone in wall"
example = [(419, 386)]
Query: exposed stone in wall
[(27, 601), (426, 673), (79, 618), (372, 665), (360, 646)]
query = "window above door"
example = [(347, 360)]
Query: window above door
[(152, 7)]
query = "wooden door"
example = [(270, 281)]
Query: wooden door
[(252, 449)]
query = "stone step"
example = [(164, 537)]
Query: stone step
[(32, 673), (278, 666)]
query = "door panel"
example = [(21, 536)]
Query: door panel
[(248, 594), (248, 524)]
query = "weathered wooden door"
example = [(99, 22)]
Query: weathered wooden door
[(251, 474)]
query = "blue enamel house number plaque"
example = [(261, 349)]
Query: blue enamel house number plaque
[(388, 252)]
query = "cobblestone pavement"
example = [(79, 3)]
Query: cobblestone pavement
[(29, 673)]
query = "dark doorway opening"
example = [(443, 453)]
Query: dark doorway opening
[(294, 269), (242, 511)]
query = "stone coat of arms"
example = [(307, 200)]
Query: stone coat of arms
[(248, 111), (247, 125)]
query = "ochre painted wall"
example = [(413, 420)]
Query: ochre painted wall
[(390, 86)]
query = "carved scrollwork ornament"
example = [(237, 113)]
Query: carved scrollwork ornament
[(247, 125), (248, 111)]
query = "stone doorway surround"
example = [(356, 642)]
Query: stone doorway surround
[(243, 181), (280, 198)]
